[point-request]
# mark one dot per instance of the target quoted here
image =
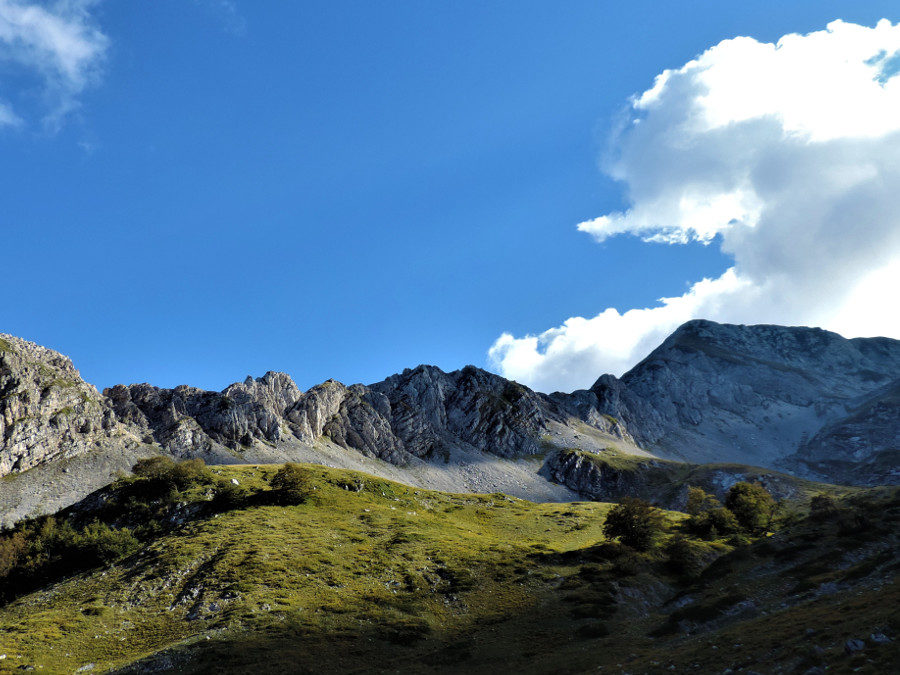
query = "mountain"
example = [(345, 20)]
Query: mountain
[(465, 431), (800, 399), (750, 394), (391, 557)]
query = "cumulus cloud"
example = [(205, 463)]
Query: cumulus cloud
[(788, 155), (54, 48)]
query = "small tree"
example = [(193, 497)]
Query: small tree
[(13, 547), (752, 505), (699, 501), (163, 479), (635, 523), (189, 472), (230, 496), (713, 523), (291, 484), (98, 543)]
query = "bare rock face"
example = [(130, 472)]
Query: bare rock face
[(596, 480), (750, 394), (362, 422), (593, 407), (188, 421), (47, 411), (862, 448), (431, 409), (276, 392), (423, 412)]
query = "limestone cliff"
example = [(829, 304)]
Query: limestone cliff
[(47, 411)]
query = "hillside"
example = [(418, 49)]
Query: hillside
[(372, 575)]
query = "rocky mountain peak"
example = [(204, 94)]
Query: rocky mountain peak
[(274, 390), (721, 392)]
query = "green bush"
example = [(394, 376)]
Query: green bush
[(99, 544), (230, 496), (700, 501), (291, 485), (635, 523), (161, 479), (12, 549), (685, 557), (752, 505), (189, 473), (713, 523), (153, 467), (46, 549)]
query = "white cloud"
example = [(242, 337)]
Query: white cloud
[(790, 152), (57, 47)]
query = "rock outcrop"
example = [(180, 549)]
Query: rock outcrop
[(47, 412), (422, 412), (608, 477), (191, 422), (431, 409)]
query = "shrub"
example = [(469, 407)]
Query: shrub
[(153, 467), (12, 550), (189, 473), (100, 544), (752, 505), (635, 523), (230, 496), (713, 523), (291, 484), (699, 501), (46, 549), (161, 479), (685, 557)]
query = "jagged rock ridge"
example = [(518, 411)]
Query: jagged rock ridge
[(422, 412), (606, 477)]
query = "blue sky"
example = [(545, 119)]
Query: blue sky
[(341, 189)]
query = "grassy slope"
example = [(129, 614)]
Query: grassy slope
[(390, 560), (393, 578)]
